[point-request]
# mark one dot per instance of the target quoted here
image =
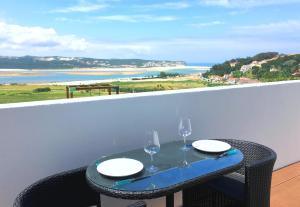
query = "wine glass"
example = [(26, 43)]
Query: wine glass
[(185, 163), (185, 130), (152, 147)]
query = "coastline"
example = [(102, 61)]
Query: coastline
[(134, 74), (87, 82), (120, 69)]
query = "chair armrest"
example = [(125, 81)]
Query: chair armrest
[(259, 163), (258, 182)]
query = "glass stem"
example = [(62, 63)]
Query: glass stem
[(184, 140), (151, 155)]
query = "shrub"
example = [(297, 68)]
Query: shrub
[(39, 90), (166, 75), (237, 74)]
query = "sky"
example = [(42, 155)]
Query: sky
[(199, 31)]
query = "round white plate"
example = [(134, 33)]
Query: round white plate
[(212, 146), (120, 167)]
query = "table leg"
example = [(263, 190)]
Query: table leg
[(170, 200), (99, 201)]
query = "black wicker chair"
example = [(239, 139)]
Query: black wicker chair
[(62, 190), (248, 187)]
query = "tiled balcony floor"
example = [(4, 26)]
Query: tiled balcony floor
[(285, 190)]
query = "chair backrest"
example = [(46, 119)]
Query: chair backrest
[(64, 189), (253, 153)]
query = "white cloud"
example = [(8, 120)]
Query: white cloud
[(22, 40), (206, 24), (238, 12), (196, 49), (217, 49), (165, 5), (246, 3), (18, 37), (119, 18), (120, 49), (82, 6), (215, 2), (136, 18), (74, 20), (273, 28)]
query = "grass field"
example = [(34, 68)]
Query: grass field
[(25, 93)]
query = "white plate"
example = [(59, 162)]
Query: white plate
[(120, 167), (212, 146)]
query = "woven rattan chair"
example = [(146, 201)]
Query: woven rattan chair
[(248, 187), (62, 190)]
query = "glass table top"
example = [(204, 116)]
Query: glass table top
[(176, 167)]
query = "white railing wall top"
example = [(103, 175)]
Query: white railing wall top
[(42, 138)]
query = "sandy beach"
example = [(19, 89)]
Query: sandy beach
[(95, 71), (135, 74), (19, 73), (126, 69), (87, 82)]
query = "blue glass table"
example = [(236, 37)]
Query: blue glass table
[(177, 170)]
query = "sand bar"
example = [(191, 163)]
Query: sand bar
[(96, 73), (129, 69), (87, 82)]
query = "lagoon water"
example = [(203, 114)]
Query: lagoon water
[(54, 76)]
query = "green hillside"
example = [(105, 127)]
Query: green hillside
[(270, 66), (57, 62)]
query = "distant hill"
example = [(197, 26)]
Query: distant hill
[(57, 62), (269, 66)]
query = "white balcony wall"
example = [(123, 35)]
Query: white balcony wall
[(42, 138)]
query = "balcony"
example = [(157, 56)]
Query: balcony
[(42, 138), (286, 186)]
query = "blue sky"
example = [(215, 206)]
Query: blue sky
[(194, 31)]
